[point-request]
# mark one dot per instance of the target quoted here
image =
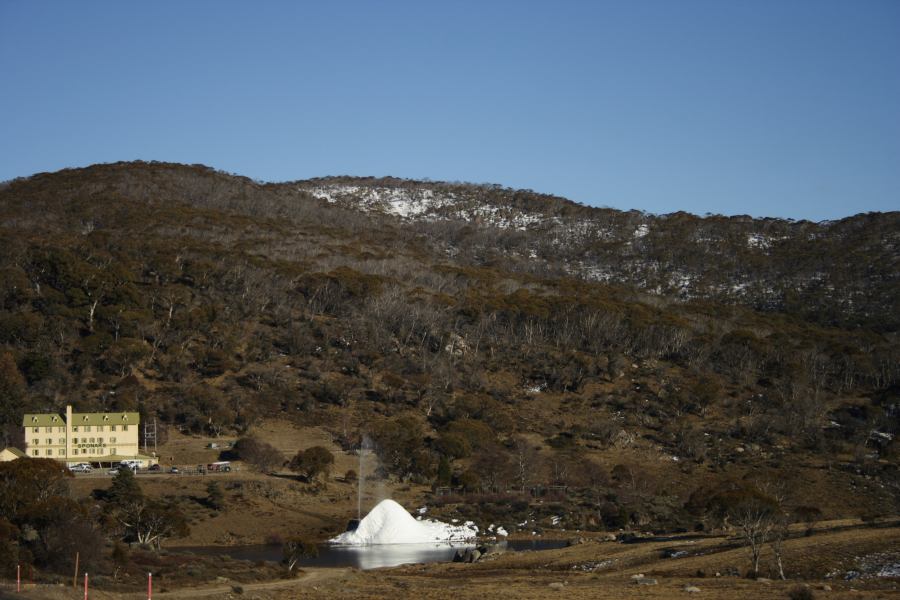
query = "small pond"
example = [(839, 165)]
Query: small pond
[(364, 557)]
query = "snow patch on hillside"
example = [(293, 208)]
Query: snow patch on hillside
[(756, 240), (428, 204), (402, 202)]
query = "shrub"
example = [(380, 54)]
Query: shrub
[(313, 462), (215, 498), (801, 592), (261, 455)]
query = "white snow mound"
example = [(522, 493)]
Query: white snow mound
[(389, 523)]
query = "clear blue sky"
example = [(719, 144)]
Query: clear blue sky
[(784, 108)]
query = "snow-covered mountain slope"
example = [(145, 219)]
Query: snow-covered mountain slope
[(844, 272), (850, 265)]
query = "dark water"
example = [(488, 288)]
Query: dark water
[(364, 557)]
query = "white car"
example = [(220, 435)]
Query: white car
[(81, 468)]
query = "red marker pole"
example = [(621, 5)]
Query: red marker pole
[(85, 587), (149, 586)]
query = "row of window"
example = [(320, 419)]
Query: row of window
[(62, 452), (62, 441), (84, 428)]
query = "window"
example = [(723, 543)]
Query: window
[(87, 427), (35, 452), (99, 440), (48, 429), (49, 452), (112, 451), (75, 451), (60, 430), (92, 440), (99, 427), (62, 441), (49, 442), (75, 428), (112, 427), (112, 440), (124, 427)]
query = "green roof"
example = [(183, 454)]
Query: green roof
[(123, 418), (53, 420), (48, 420)]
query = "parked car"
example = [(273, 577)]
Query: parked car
[(174, 470), (219, 466), (155, 467), (81, 468), (113, 471)]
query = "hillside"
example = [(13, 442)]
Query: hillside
[(485, 338), (839, 273)]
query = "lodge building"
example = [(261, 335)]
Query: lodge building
[(84, 437)]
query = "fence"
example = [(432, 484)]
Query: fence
[(24, 583)]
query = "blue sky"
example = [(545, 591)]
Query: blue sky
[(785, 108)]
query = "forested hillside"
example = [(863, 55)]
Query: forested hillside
[(460, 326), (835, 273)]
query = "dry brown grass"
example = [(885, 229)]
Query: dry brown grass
[(539, 575), (259, 506)]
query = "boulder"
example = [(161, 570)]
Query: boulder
[(469, 555), (492, 549)]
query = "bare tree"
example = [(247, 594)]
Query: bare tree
[(525, 458), (755, 515), (296, 549)]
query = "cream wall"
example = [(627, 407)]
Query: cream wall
[(82, 437)]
